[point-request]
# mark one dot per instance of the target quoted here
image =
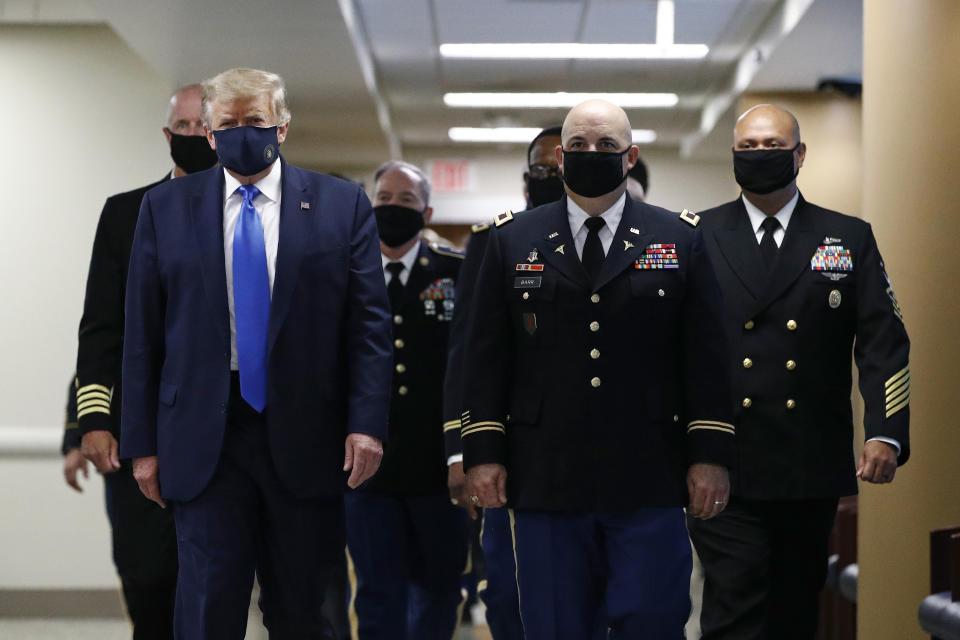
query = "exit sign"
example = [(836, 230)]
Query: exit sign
[(451, 175)]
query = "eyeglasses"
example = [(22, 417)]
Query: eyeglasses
[(541, 171)]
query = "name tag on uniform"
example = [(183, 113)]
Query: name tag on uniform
[(527, 283)]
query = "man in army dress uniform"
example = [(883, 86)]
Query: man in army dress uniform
[(596, 398), (803, 287), (407, 542)]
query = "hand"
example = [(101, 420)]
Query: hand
[(145, 473), (72, 463), (100, 448), (457, 484), (362, 454), (488, 482), (878, 462), (709, 487)]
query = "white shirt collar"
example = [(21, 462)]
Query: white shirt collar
[(269, 185), (577, 216), (783, 216), (407, 259)]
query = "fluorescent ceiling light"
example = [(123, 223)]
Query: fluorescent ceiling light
[(573, 51), (557, 100), (523, 134)]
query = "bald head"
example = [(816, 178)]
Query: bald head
[(765, 124), (184, 115), (597, 119)]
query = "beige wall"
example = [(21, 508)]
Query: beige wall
[(911, 194)]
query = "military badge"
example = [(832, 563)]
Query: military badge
[(832, 258), (429, 307), (439, 289), (553, 235), (530, 322), (560, 249), (533, 257), (834, 299), (658, 256), (529, 267)]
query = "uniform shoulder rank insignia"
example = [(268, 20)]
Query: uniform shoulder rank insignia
[(690, 217), (446, 251), (503, 218), (480, 226)]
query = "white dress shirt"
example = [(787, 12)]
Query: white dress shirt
[(267, 204), (757, 217), (407, 259), (578, 217)]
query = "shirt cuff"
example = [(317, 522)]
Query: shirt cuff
[(893, 443), (458, 457)]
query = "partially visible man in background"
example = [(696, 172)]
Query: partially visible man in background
[(145, 546), (638, 181)]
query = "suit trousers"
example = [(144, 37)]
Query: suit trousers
[(246, 522), (499, 592), (409, 554), (765, 562), (145, 553), (570, 566)]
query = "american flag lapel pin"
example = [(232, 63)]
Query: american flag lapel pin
[(304, 206)]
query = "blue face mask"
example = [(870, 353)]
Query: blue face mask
[(247, 150)]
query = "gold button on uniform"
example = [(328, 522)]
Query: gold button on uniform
[(791, 325), (595, 298), (748, 325), (747, 403), (401, 368), (398, 319), (595, 382), (398, 343), (594, 326), (791, 403), (791, 365), (661, 292), (747, 363), (595, 353), (403, 390), (676, 418), (526, 295)]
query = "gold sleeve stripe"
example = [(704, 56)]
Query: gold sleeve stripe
[(895, 377), (711, 428), (902, 383), (90, 395), (712, 423), (897, 407), (92, 387), (84, 412), (93, 403), (451, 425), (893, 398), (483, 426)]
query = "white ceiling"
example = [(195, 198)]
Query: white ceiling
[(336, 124)]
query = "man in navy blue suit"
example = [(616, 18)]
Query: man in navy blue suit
[(256, 366)]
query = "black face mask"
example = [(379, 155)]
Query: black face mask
[(593, 173), (544, 190), (397, 224), (247, 150), (764, 170), (191, 153)]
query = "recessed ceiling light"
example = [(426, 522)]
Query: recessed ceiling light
[(557, 100), (523, 134), (572, 51)]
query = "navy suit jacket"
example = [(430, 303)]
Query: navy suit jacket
[(329, 340)]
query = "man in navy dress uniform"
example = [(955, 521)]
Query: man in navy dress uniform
[(596, 399), (407, 542), (256, 366), (803, 288)]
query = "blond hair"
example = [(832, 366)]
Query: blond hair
[(245, 83)]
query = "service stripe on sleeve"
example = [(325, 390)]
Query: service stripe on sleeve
[(897, 391), (711, 425)]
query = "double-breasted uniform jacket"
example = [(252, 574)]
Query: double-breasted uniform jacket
[(100, 347), (596, 396), (791, 333), (413, 461)]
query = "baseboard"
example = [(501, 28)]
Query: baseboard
[(61, 603)]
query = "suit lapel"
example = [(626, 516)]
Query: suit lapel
[(296, 229), (739, 246), (627, 246), (206, 213), (555, 247), (799, 244)]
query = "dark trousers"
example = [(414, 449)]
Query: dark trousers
[(409, 554), (570, 566), (764, 563), (499, 592), (145, 553), (244, 522)]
